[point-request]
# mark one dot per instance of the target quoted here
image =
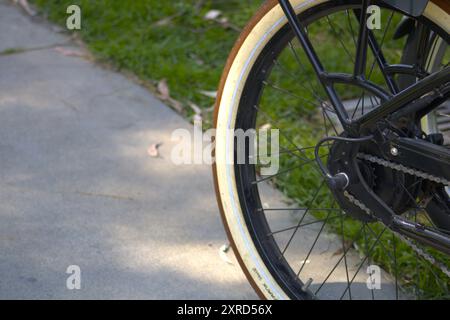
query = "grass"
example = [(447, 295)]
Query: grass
[(172, 40), (160, 39), (11, 51)]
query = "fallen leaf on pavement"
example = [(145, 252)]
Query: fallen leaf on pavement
[(153, 150), (70, 52), (163, 89), (223, 253), (348, 244), (177, 105)]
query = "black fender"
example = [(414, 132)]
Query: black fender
[(413, 8)]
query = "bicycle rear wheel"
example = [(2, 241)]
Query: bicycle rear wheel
[(313, 251)]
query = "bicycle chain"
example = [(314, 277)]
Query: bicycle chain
[(420, 174), (402, 168)]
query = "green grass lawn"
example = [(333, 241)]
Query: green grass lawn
[(172, 40), (161, 39)]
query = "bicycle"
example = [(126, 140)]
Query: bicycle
[(362, 187)]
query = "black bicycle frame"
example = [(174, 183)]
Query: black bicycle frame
[(416, 98), (392, 101)]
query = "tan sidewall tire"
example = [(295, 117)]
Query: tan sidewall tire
[(268, 20)]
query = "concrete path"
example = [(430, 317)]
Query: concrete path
[(79, 188)]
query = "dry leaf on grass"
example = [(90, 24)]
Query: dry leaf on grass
[(266, 126), (169, 19), (225, 23), (163, 89), (198, 119), (164, 94), (166, 21), (163, 22), (195, 108), (212, 14), (196, 59), (210, 109), (210, 94), (216, 15)]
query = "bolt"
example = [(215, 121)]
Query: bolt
[(394, 151)]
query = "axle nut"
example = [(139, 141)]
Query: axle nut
[(394, 151)]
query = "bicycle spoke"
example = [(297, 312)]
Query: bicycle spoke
[(274, 86), (302, 225), (394, 245), (298, 209), (374, 234), (383, 39), (314, 244), (325, 115), (303, 217), (311, 89), (301, 65), (351, 28), (345, 257), (338, 262), (283, 172), (366, 250), (282, 133), (364, 260), (333, 32), (361, 99), (290, 151)]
